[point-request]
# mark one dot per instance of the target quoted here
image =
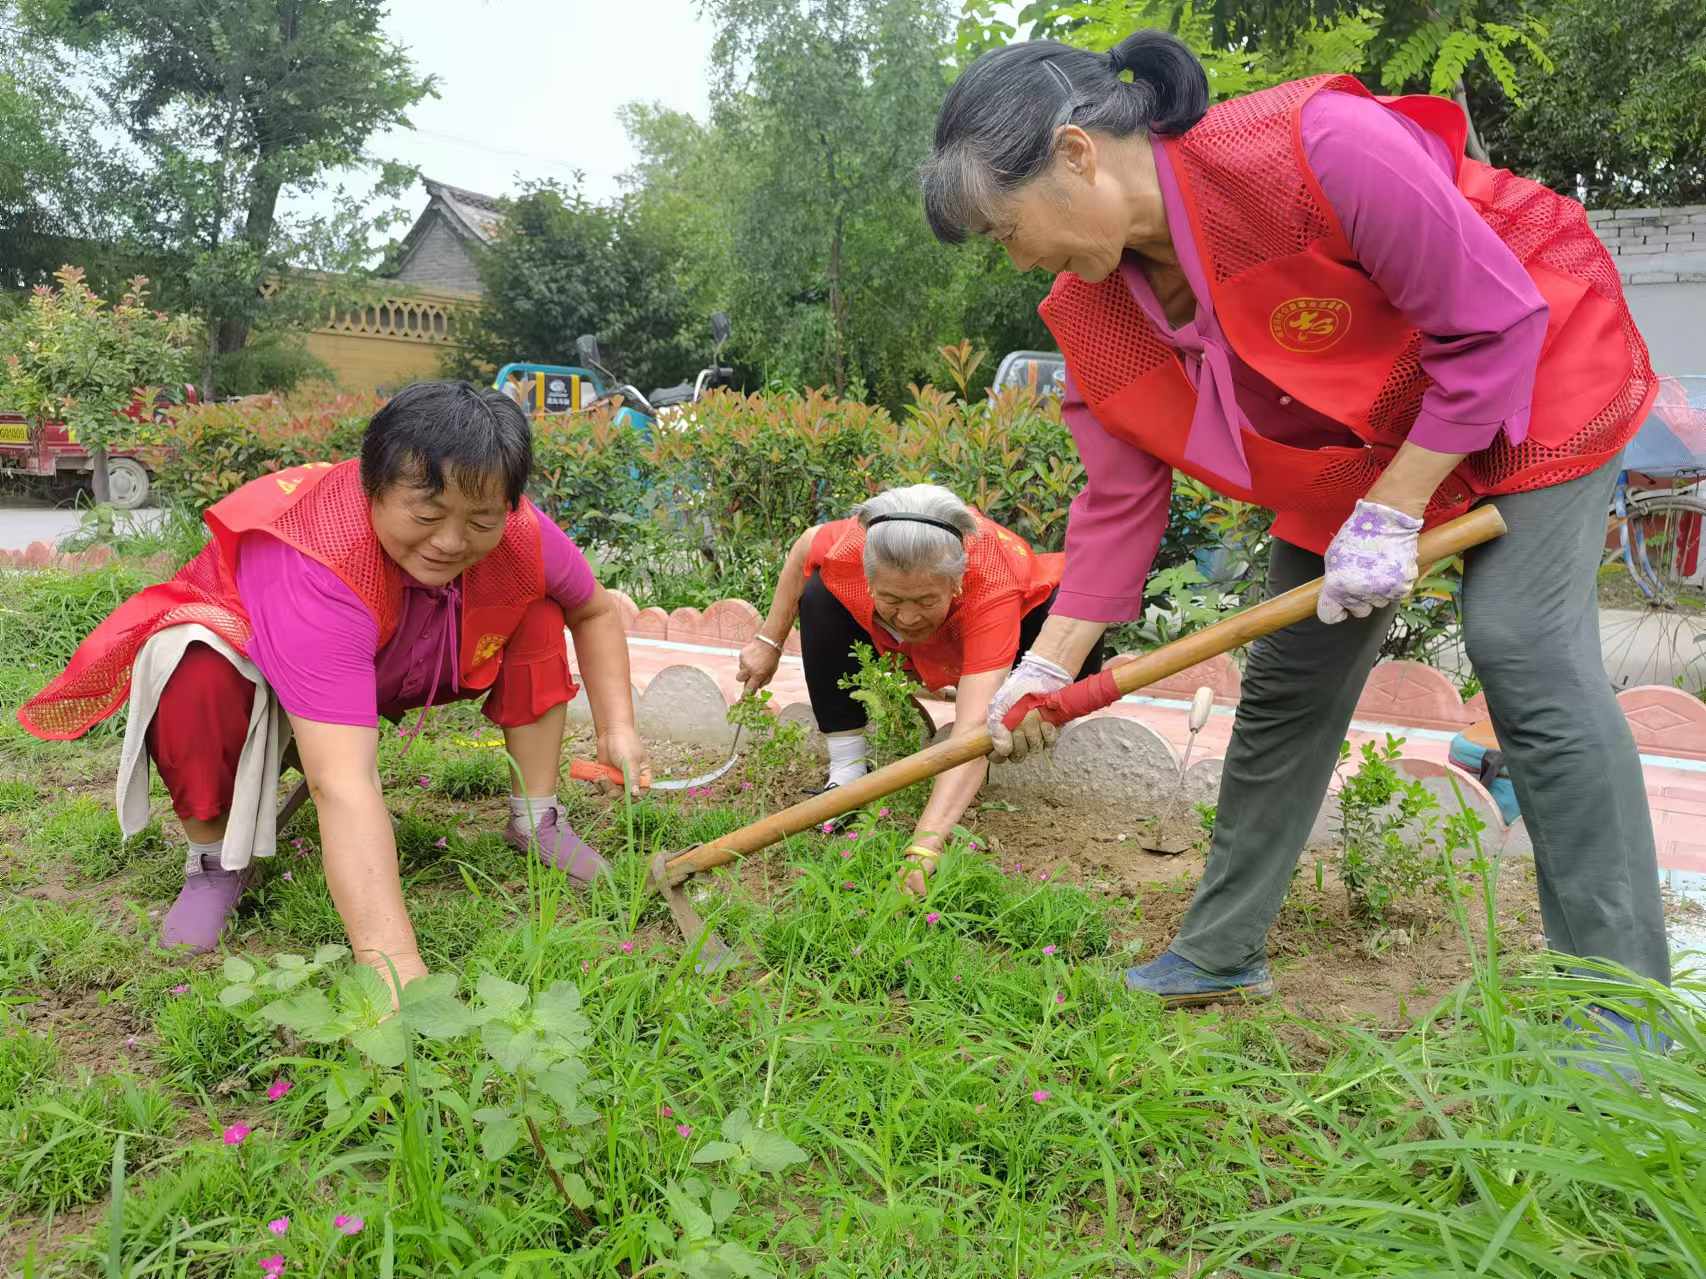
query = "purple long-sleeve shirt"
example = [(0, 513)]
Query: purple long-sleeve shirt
[(1482, 321)]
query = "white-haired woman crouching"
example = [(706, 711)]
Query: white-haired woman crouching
[(915, 572)]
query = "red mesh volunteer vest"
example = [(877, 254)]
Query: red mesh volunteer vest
[(1297, 307), (998, 563), (322, 511)]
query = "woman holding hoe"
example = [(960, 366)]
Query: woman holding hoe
[(914, 572), (1309, 299), (332, 596)]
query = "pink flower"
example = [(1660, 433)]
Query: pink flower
[(932, 917), (348, 1225), (627, 948), (684, 1131), (443, 841), (130, 1041), (846, 853), (1042, 875), (1040, 1096), (288, 877), (298, 844), (279, 1225), (1018, 868), (847, 883), (1048, 950), (852, 836), (181, 988), (746, 785), (666, 1111), (828, 828), (958, 979), (237, 1134), (424, 782), (882, 812), (1059, 997), (273, 1265), (586, 966), (279, 1089)]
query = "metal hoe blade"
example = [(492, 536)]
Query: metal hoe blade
[(714, 954)]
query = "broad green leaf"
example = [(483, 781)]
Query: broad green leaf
[(289, 962), (771, 1151), (694, 1221), (738, 1261), (580, 1194), (498, 1138), (499, 995), (557, 1011), (237, 970), (385, 1044), (512, 1049), (737, 1124), (562, 1084), (330, 954), (715, 1152), (231, 996), (724, 1201), (431, 1007), (364, 995), (308, 1012)]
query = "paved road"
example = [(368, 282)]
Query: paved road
[(21, 526)]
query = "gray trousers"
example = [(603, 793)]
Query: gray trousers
[(1531, 628)]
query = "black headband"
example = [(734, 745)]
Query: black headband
[(918, 519)]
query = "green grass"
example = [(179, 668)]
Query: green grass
[(972, 1090), (82, 834), (56, 1150)]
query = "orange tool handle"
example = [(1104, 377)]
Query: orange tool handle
[(584, 770)]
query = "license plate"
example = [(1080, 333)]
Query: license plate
[(14, 432)]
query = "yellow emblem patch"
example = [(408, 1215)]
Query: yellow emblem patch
[(488, 648), (1310, 324)]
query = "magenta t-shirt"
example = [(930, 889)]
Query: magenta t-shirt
[(314, 640)]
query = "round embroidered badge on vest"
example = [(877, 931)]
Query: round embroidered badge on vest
[(487, 648), (1310, 324)]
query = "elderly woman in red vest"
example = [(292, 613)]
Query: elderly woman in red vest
[(1309, 299), (914, 572), (332, 597)]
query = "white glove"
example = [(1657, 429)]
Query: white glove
[(1371, 563), (1033, 674)]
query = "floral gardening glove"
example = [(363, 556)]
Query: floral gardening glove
[(1031, 675), (1371, 563)]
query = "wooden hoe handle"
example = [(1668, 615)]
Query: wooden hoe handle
[(1480, 525)]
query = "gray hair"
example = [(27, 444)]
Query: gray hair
[(911, 546), (998, 125)]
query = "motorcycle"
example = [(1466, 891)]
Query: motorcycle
[(669, 398)]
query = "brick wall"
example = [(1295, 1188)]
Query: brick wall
[(1655, 246), (440, 260)]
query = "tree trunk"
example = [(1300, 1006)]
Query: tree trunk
[(838, 307), (1477, 150), (98, 474), (258, 222)]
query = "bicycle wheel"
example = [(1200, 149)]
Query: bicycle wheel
[(1652, 621)]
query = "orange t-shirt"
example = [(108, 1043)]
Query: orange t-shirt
[(1005, 579)]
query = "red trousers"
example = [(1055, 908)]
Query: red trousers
[(198, 729)]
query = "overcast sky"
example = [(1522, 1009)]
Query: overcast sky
[(530, 88)]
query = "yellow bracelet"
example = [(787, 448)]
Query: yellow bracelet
[(918, 850)]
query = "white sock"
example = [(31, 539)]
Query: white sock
[(194, 865), (531, 809), (846, 757)]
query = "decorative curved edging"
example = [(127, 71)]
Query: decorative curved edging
[(1664, 721), (44, 555)]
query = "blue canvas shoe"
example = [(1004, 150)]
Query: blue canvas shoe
[(1488, 768), (1179, 983), (1613, 1034)]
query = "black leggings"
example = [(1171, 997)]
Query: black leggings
[(828, 633)]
